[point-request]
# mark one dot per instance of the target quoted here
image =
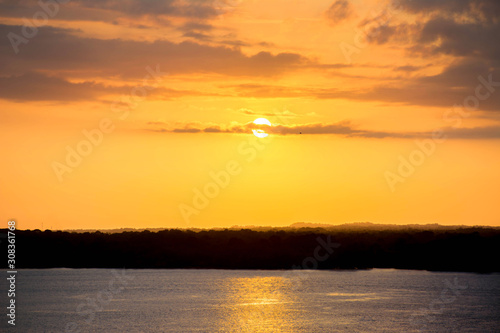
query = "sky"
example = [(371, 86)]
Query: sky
[(140, 113)]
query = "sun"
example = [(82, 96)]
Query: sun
[(258, 132)]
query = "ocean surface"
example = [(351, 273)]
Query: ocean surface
[(106, 300)]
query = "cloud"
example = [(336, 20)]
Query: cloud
[(397, 33), (38, 87), (108, 10), (408, 68), (487, 132), (446, 89), (34, 86), (285, 113), (453, 86), (270, 91), (463, 32), (488, 10), (62, 50), (444, 36), (197, 35), (197, 30), (344, 128), (339, 11), (186, 130), (459, 28)]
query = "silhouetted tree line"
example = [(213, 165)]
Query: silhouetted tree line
[(465, 249)]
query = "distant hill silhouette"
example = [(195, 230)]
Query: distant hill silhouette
[(297, 225), (377, 226), (360, 246)]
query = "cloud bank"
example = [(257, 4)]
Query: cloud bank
[(344, 128)]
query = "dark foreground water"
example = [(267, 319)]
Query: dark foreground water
[(105, 300)]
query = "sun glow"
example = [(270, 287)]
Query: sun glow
[(258, 132)]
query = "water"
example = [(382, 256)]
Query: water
[(92, 300)]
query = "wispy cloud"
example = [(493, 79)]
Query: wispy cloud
[(344, 128), (284, 113)]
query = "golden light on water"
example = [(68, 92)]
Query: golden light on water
[(259, 304)]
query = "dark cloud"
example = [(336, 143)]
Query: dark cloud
[(34, 86), (197, 31), (344, 128), (38, 87), (488, 132), (54, 49), (441, 30), (395, 33), (196, 26), (107, 10), (204, 33), (488, 10), (339, 11), (461, 28), (408, 68), (233, 43), (186, 130), (445, 36), (464, 30), (197, 35)]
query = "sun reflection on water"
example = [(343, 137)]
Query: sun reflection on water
[(258, 304)]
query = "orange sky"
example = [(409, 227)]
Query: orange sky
[(140, 114)]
